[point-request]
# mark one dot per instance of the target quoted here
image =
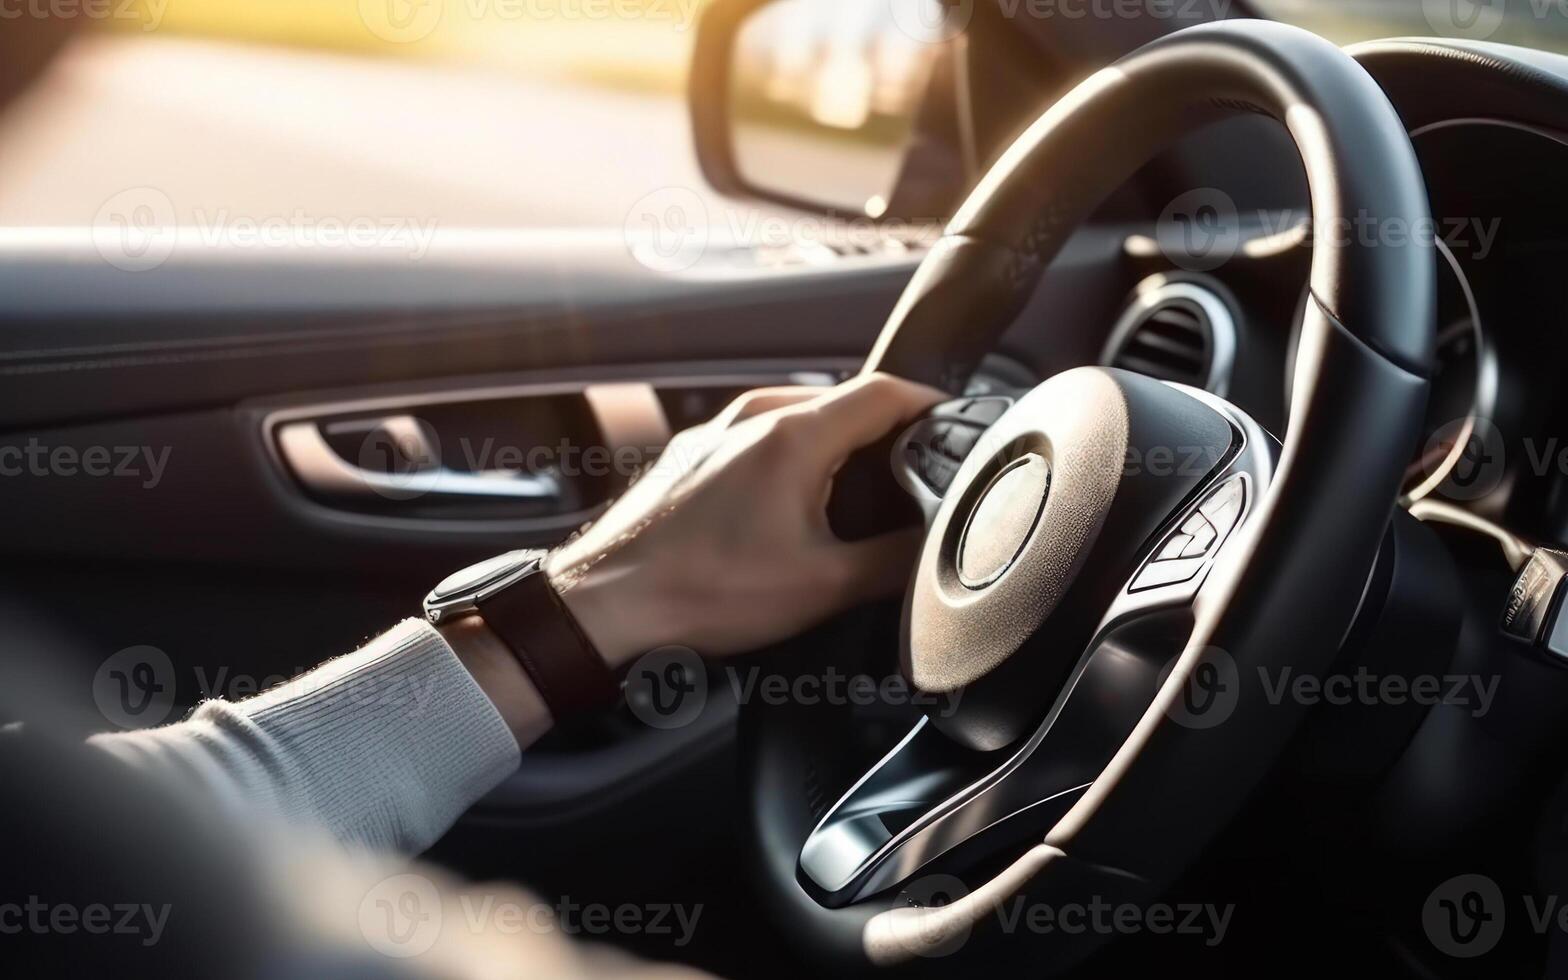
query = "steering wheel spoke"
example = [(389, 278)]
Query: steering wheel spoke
[(1174, 570), (931, 795)]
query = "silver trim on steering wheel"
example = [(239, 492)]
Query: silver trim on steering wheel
[(929, 795)]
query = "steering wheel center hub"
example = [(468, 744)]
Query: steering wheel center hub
[(1001, 523), (1041, 524)]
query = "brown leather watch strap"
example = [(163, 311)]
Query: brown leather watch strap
[(530, 618)]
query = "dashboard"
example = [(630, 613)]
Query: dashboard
[(1490, 126)]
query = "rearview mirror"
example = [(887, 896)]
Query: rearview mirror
[(832, 106)]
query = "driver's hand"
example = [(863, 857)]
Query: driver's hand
[(724, 545)]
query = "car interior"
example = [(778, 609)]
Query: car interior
[(1321, 292)]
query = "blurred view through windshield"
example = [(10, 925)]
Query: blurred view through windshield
[(516, 114), (473, 113)]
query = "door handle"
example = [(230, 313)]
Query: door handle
[(304, 447)]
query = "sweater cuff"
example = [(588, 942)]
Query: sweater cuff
[(386, 746)]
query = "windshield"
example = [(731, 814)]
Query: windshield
[(1532, 23), (228, 115), (241, 118)]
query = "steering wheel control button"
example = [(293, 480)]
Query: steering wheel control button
[(934, 469), (1202, 537), (977, 411), (1224, 504), (1557, 636), (954, 440), (934, 448), (1002, 521), (1181, 556), (1161, 573), (1533, 613), (1223, 509)]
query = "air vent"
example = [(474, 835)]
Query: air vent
[(1176, 331), (1170, 342)]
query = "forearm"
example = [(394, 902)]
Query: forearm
[(386, 746), (730, 552)]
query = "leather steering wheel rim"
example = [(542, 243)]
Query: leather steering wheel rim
[(1359, 391)]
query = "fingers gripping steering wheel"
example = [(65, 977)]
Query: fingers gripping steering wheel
[(1097, 622)]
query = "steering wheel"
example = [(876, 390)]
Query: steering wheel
[(1111, 563)]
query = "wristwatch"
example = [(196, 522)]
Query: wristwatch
[(514, 597)]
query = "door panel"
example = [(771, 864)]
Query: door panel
[(81, 340), (153, 425)]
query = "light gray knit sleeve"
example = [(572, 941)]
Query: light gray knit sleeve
[(384, 747)]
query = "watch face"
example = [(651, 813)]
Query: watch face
[(476, 577)]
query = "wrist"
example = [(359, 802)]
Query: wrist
[(522, 643), (495, 669), (615, 609)]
